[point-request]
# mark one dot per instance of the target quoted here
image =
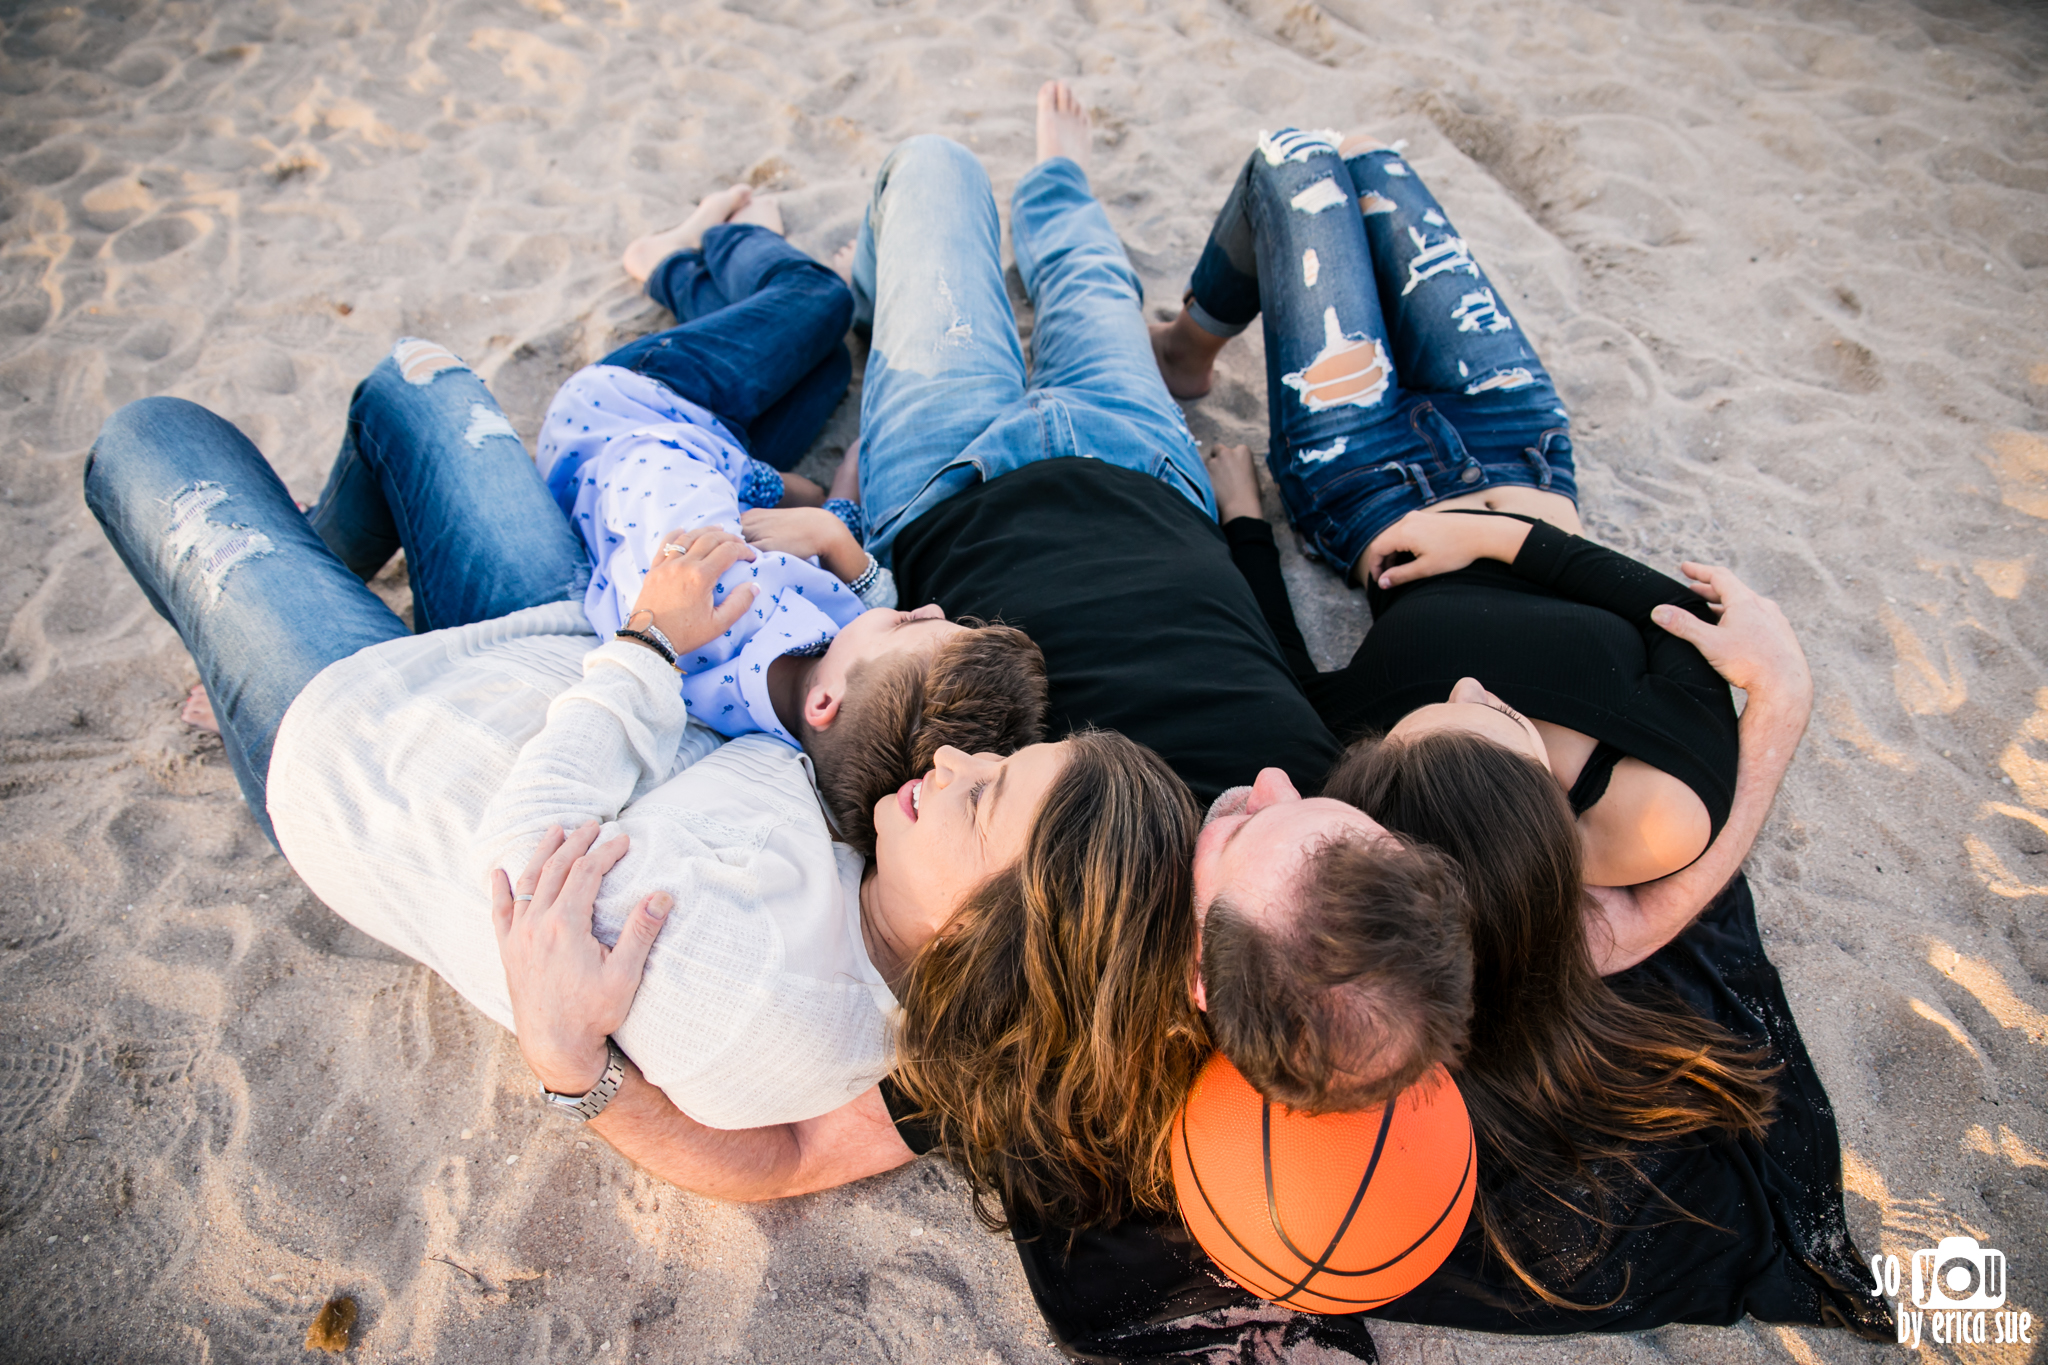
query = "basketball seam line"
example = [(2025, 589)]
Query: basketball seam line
[(1367, 1303), (1187, 1150), (1371, 1168), (1210, 1204), (1374, 1270)]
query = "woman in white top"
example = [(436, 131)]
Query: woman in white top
[(399, 772)]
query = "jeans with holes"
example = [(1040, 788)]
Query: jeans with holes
[(1395, 375), (759, 338), (265, 596), (946, 403)]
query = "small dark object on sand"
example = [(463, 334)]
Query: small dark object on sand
[(331, 1325)]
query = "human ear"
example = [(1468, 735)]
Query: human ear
[(821, 707)]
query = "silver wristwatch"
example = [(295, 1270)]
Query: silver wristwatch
[(583, 1108)]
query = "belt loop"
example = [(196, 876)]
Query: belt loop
[(1534, 455), (1420, 479)]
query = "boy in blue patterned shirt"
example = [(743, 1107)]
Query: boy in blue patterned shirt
[(821, 659)]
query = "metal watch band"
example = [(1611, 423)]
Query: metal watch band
[(583, 1108)]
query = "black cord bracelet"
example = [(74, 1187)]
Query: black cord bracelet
[(644, 638)]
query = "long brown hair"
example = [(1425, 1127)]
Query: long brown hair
[(1567, 1080), (1049, 1031)]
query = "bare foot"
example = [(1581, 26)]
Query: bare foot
[(842, 263), (1235, 481), (1062, 125), (650, 251), (764, 212), (197, 711), (846, 478), (1187, 355)]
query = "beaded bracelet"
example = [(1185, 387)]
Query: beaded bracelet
[(658, 646), (867, 576)]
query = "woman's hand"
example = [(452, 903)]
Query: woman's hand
[(806, 532), (677, 592), (1751, 644), (1442, 542), (569, 992)]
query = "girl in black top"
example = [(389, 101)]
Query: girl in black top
[(1553, 715)]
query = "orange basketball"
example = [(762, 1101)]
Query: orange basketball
[(1331, 1214)]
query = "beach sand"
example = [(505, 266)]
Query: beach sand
[(1786, 260)]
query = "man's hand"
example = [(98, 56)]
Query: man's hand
[(569, 992), (1442, 542), (806, 532), (1751, 644), (677, 592)]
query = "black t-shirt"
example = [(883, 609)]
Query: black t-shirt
[(1148, 628)]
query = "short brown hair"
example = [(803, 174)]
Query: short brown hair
[(982, 691), (1349, 999)]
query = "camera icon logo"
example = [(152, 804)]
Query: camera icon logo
[(1958, 1273)]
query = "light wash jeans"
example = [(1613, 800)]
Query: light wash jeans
[(946, 402), (265, 596)]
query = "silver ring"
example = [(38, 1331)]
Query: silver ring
[(517, 899), (672, 548)]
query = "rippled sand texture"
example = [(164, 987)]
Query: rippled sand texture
[(1786, 260)]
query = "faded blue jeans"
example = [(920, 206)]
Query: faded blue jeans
[(265, 596), (758, 340), (1395, 375), (946, 402)]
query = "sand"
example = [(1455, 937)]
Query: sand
[(1786, 261)]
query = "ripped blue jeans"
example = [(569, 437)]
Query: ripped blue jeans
[(265, 596), (1395, 376)]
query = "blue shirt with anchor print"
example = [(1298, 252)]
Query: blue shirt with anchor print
[(629, 460)]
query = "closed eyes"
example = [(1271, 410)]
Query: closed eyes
[(1504, 709)]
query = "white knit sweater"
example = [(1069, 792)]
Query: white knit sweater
[(404, 773)]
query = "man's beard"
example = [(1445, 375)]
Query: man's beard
[(1232, 802)]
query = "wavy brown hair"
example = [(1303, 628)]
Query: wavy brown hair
[(1567, 1078), (1049, 1031)]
